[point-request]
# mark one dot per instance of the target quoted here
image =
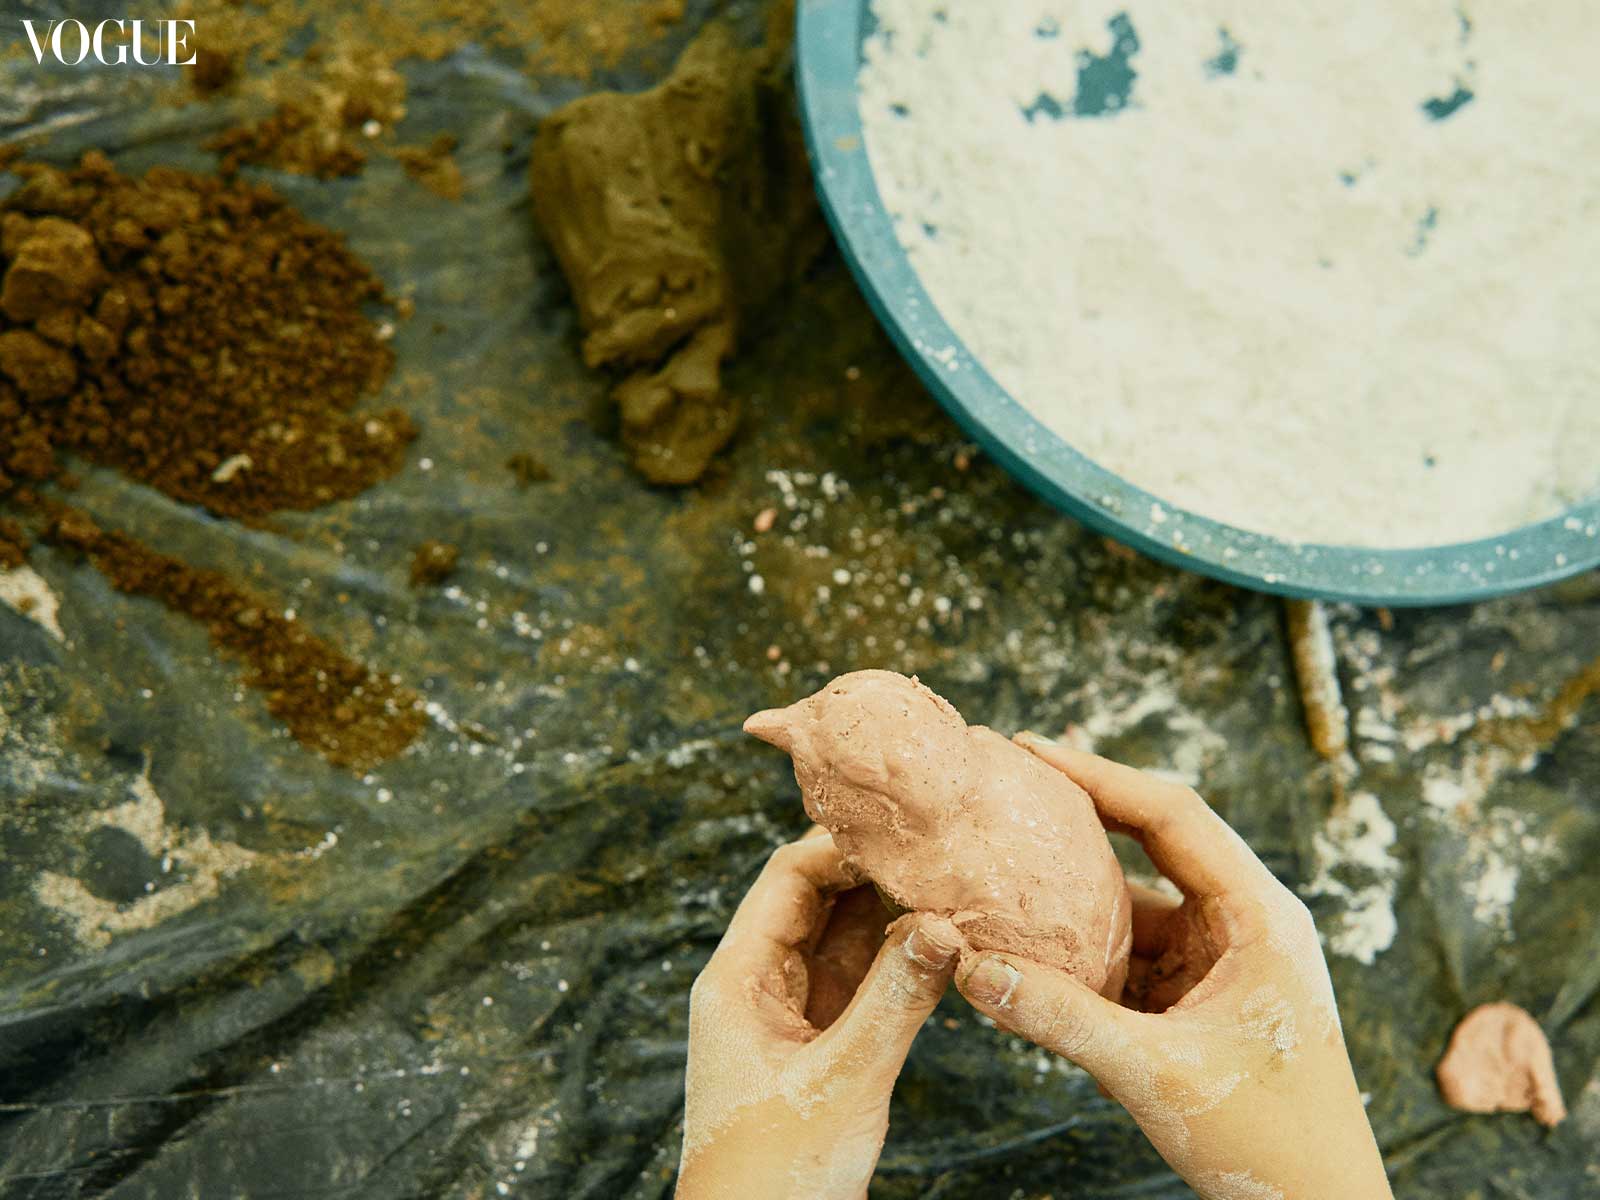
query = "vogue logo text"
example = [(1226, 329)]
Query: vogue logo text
[(114, 43)]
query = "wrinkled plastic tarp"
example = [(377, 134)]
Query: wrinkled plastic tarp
[(230, 969)]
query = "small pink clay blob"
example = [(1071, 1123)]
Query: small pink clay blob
[(1499, 1061), (955, 819)]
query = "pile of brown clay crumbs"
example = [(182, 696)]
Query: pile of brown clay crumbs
[(675, 214), (197, 335), (330, 703), (204, 338)]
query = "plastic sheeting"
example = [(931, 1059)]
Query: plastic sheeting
[(230, 969)]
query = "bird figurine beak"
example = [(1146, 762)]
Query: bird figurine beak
[(773, 725)]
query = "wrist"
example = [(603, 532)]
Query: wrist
[(748, 1160)]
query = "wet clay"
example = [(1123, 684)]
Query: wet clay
[(674, 213), (1499, 1061), (955, 819)]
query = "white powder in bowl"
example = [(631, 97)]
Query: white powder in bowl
[(1322, 271)]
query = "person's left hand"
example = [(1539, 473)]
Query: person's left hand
[(798, 1027)]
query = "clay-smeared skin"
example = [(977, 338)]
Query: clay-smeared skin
[(1242, 1082), (1499, 1061), (798, 1028), (954, 819)]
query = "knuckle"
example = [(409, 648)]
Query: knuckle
[(1254, 918), (1297, 917), (783, 853), (706, 990), (1283, 916), (1296, 910)]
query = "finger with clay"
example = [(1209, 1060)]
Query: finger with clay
[(1236, 1067), (798, 1027)]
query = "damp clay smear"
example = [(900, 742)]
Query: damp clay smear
[(200, 336)]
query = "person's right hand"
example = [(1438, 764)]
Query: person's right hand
[(1239, 1075)]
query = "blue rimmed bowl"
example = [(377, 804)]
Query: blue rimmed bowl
[(828, 51)]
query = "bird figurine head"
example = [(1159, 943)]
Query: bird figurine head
[(873, 747)]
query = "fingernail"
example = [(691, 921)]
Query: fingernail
[(994, 982), (926, 947), (1028, 735)]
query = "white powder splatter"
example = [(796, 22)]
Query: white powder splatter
[(1354, 844), (1211, 1090), (25, 590), (1233, 1185), (1348, 270), (1267, 1015), (205, 864), (1116, 706), (1496, 844), (1455, 793)]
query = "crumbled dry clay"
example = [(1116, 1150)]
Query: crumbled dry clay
[(1499, 1061), (955, 819)]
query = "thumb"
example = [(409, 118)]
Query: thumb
[(1053, 1010), (901, 989)]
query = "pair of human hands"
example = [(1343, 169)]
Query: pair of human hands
[(1238, 1074)]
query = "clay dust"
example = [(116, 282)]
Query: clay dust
[(203, 864)]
